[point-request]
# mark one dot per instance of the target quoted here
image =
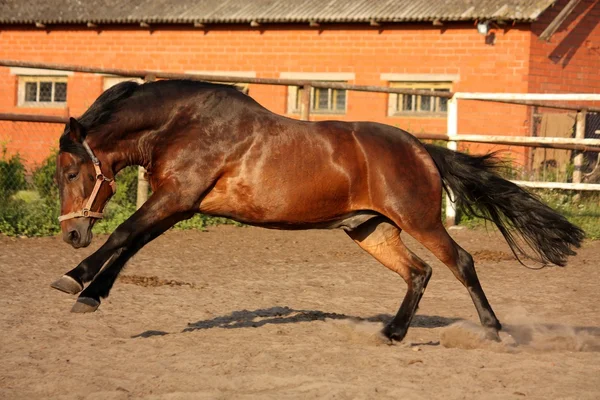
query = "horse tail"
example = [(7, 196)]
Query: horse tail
[(480, 191)]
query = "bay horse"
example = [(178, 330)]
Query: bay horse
[(209, 148)]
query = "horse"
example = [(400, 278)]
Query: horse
[(211, 149)]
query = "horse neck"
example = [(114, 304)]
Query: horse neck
[(128, 138), (117, 149)]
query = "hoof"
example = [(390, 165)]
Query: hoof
[(67, 284), (393, 334), (85, 305), (492, 334)]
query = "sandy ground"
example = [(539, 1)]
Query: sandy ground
[(252, 313)]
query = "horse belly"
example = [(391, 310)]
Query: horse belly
[(280, 200)]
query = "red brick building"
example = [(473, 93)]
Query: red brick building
[(432, 45)]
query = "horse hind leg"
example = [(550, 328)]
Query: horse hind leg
[(460, 262), (381, 239)]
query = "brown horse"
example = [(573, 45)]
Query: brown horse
[(209, 148)]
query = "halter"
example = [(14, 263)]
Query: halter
[(100, 178)]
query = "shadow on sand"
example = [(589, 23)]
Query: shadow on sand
[(286, 315)]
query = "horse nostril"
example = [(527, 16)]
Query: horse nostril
[(74, 236)]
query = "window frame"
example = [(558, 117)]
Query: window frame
[(39, 79), (295, 100), (395, 105), (395, 99)]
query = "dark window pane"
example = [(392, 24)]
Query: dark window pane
[(407, 102), (443, 102), (425, 103), (30, 91), (340, 96), (45, 91), (322, 101), (60, 91)]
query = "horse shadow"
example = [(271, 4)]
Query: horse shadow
[(285, 315)]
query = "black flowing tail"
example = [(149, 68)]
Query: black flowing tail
[(479, 191)]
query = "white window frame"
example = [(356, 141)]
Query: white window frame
[(420, 82), (23, 80), (293, 103)]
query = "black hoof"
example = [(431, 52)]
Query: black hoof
[(67, 284), (393, 333), (85, 305)]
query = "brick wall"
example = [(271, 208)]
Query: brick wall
[(570, 61), (367, 52)]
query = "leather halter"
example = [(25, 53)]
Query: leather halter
[(100, 179)]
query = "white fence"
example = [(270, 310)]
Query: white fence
[(523, 98)]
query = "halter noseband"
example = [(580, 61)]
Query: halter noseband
[(100, 178)]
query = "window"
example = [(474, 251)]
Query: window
[(325, 101), (322, 101), (419, 105), (40, 91)]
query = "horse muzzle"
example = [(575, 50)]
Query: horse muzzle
[(78, 233)]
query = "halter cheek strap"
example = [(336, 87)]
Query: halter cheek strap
[(100, 179)]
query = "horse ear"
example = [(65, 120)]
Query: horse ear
[(75, 130)]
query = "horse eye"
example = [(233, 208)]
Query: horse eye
[(71, 176)]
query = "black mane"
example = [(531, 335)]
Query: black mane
[(109, 102), (106, 104), (99, 113)]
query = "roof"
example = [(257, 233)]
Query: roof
[(264, 11)]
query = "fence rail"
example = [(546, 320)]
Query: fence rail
[(152, 75), (592, 145), (540, 101), (50, 119), (555, 101)]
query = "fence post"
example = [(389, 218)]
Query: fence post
[(142, 188), (452, 131), (578, 159), (305, 103)]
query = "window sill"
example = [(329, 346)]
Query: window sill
[(42, 105)]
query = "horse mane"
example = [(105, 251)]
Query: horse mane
[(106, 104), (110, 101), (99, 113)]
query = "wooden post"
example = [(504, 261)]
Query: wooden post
[(452, 131), (142, 188), (578, 160), (305, 103)]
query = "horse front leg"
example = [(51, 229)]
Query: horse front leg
[(89, 299), (73, 281), (159, 213)]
